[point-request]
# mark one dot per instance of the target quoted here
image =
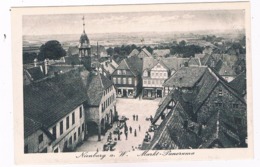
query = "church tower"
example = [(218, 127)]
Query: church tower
[(85, 48)]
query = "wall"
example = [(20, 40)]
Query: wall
[(33, 142), (67, 133)]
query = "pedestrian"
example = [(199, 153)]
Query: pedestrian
[(135, 133), (118, 137), (130, 129), (134, 117), (139, 128), (126, 134)]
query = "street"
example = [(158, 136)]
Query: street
[(127, 108)]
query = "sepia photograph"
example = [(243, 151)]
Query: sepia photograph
[(151, 81)]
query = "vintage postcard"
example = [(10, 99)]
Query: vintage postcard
[(132, 83)]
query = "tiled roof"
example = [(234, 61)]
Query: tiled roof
[(35, 73), (161, 52), (222, 129), (226, 70), (51, 99), (171, 132), (185, 77), (135, 65), (97, 83), (134, 52), (146, 53), (30, 126), (176, 63), (149, 63), (239, 83)]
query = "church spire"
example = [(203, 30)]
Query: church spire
[(83, 18)]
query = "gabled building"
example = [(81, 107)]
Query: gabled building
[(107, 67), (127, 77), (134, 52), (54, 118), (214, 115), (155, 72), (161, 52), (185, 78), (101, 103), (225, 71), (144, 53)]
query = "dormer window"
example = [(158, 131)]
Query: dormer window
[(220, 93), (124, 72), (119, 72)]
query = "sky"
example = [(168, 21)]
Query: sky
[(166, 21)]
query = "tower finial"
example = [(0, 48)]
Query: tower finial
[(83, 23)]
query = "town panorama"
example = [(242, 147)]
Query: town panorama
[(142, 88)]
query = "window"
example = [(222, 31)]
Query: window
[(152, 81), (149, 73), (149, 82), (82, 127), (160, 74), (235, 105), (156, 74), (152, 74), (145, 74), (119, 80), (145, 82), (40, 138), (218, 104), (54, 132), (73, 118), (75, 136), (124, 80), (61, 127), (220, 93), (129, 80), (124, 72), (67, 122), (70, 140), (119, 72), (78, 131), (26, 150), (80, 112), (164, 74), (114, 80)]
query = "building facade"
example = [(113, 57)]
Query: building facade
[(127, 78)]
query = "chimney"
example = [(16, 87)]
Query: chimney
[(46, 64), (35, 62)]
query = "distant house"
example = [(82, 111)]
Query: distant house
[(225, 71), (108, 66), (161, 52), (144, 53), (210, 115), (54, 117), (134, 52), (127, 77), (186, 77), (101, 103)]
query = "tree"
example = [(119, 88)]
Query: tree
[(51, 50), (110, 51), (182, 43)]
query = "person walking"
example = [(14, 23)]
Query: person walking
[(139, 128), (130, 129), (135, 133), (134, 117)]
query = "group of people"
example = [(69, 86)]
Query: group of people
[(135, 117)]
